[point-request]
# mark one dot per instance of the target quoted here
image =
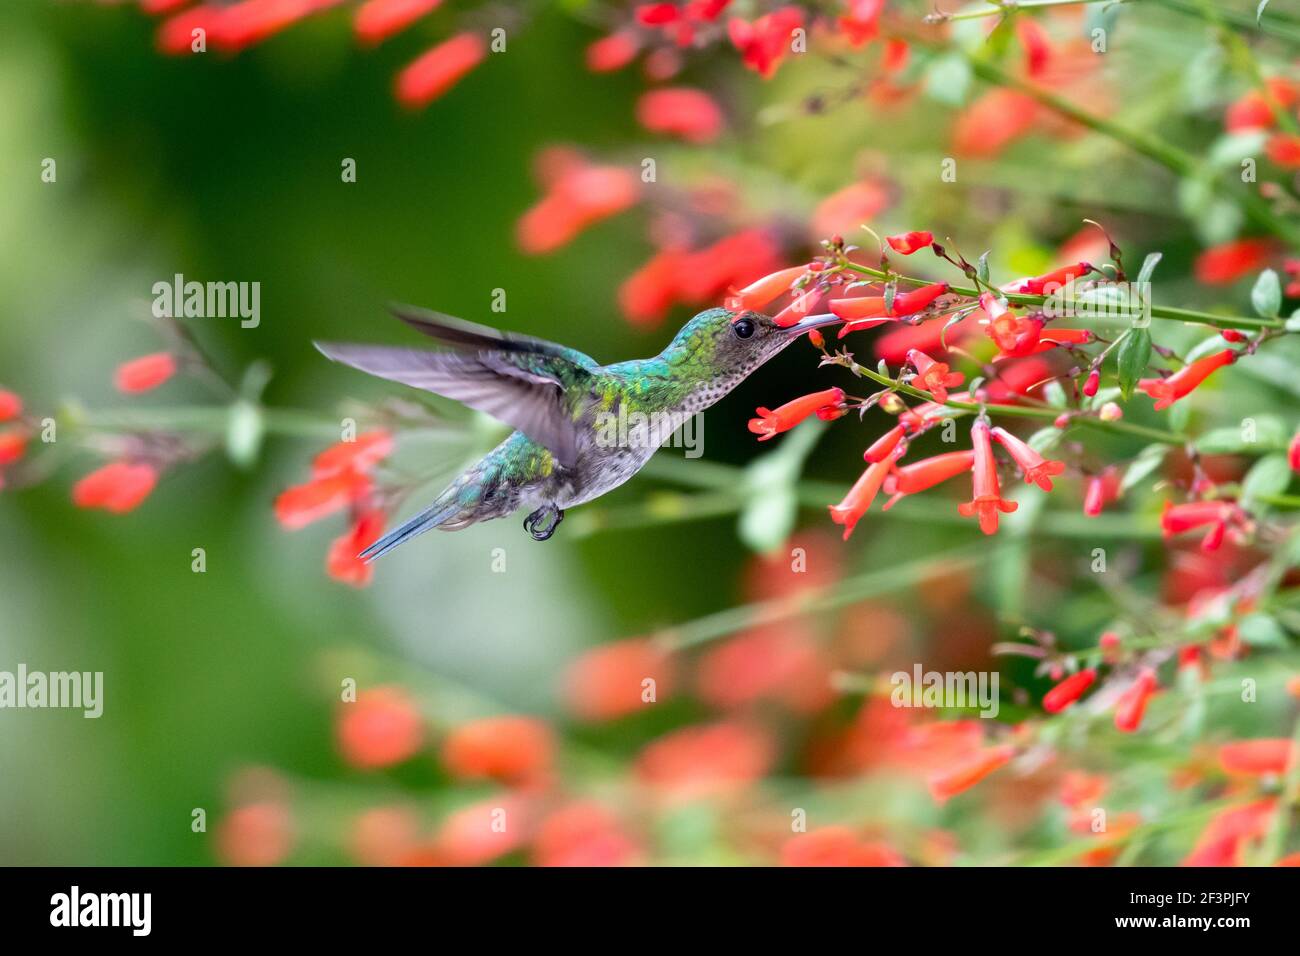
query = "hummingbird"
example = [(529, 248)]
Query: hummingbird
[(562, 403)]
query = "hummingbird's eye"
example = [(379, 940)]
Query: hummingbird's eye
[(743, 328)]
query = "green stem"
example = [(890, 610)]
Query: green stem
[(1009, 6), (1026, 411), (1024, 298)]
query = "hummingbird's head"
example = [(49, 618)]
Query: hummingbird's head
[(722, 342)]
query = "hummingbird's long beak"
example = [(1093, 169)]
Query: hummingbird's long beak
[(810, 322)]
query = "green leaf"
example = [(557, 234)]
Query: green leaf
[(1045, 439), (244, 431), (982, 268), (1266, 296), (1054, 394), (1268, 476), (1293, 323), (1134, 353), (1259, 11), (1261, 630), (1149, 266), (948, 79), (1147, 461), (1269, 434)]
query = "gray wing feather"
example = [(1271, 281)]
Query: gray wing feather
[(460, 334), (528, 401)]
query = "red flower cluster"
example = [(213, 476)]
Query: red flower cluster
[(342, 478), (578, 194)]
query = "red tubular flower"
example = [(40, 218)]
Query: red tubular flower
[(988, 500), (883, 446), (862, 23), (175, 35), (1229, 261), (1093, 383), (1257, 758), (846, 209), (118, 487), (1284, 150), (377, 20), (907, 303), (300, 505), (1293, 453), (799, 309), (11, 406), (145, 373), (13, 445), (1058, 278), (579, 194), (765, 42), (512, 750), (770, 423), (1068, 691), (656, 14), (159, 7), (1037, 47), (381, 727), (1133, 703), (361, 454), (583, 833), (862, 307), (855, 504), (759, 293), (1254, 109), (1166, 391), (611, 53), (908, 242), (932, 376), (1051, 337), (1036, 469), (1224, 840), (343, 562), (1216, 515), (993, 121), (438, 70), (926, 473), (969, 771), (647, 295), (689, 114)]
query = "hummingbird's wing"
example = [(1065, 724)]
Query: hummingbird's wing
[(525, 390), (459, 334)]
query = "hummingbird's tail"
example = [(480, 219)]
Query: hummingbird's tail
[(448, 511)]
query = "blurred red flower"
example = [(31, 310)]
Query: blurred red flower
[(1229, 261), (380, 728), (118, 487), (439, 69), (583, 834), (259, 834), (11, 406), (837, 846), (384, 836), (145, 373), (686, 113), (377, 20), (302, 504), (343, 561), (509, 749), (709, 760), (610, 681)]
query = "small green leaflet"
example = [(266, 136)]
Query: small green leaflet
[(1149, 266), (1259, 11), (1134, 353), (1147, 461), (1266, 296), (1268, 476)]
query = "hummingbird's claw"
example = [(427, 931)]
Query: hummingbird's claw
[(541, 524)]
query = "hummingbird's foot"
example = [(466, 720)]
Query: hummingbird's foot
[(541, 524)]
